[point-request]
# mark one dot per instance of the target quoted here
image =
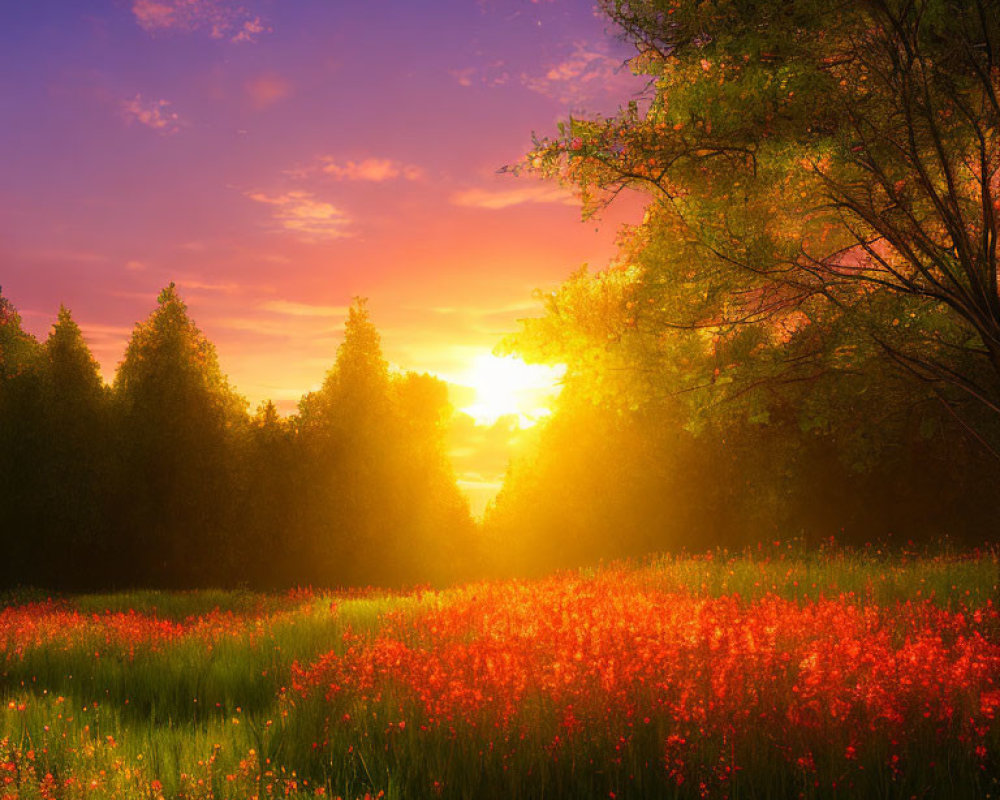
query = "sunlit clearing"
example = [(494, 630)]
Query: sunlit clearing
[(507, 386)]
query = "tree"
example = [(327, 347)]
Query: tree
[(441, 544), (19, 350), (346, 433), (21, 433), (383, 504), (826, 180), (272, 498), (177, 417), (73, 371), (76, 459)]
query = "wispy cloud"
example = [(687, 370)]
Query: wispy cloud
[(465, 76), (494, 73), (155, 114), (492, 321), (302, 213), (374, 170), (495, 199), (221, 19), (198, 285), (106, 342), (267, 90), (488, 311), (586, 74), (293, 309), (97, 329)]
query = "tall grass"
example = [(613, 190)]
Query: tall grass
[(234, 695)]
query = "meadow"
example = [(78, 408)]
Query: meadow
[(774, 673)]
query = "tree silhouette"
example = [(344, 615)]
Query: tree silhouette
[(163, 480), (77, 467), (21, 436), (384, 505), (177, 418)]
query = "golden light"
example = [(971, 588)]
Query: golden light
[(507, 386)]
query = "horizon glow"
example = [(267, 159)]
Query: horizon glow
[(276, 160)]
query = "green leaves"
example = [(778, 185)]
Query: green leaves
[(169, 363), (19, 350), (821, 183)]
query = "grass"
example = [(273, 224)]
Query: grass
[(760, 675)]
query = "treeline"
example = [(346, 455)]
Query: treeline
[(802, 336), (165, 479), (669, 438), (606, 482)]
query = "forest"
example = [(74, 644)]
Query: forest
[(164, 479), (800, 339)]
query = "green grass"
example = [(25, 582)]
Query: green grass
[(213, 716), (793, 573)]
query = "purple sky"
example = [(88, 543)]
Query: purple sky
[(276, 158)]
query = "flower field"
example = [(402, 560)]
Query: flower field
[(764, 675)]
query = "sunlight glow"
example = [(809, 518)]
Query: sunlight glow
[(507, 386)]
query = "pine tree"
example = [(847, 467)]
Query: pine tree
[(177, 417), (76, 456), (385, 506), (20, 438)]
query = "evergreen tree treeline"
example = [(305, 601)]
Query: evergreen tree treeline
[(164, 479)]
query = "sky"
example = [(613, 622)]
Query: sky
[(276, 158)]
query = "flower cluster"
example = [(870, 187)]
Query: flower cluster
[(602, 662)]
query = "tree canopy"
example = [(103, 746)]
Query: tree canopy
[(824, 186), (374, 450), (801, 336), (164, 479)]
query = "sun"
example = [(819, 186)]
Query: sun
[(506, 386)]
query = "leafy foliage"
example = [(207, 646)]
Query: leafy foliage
[(801, 333), (825, 188), (20, 427), (166, 480), (375, 451), (178, 422)]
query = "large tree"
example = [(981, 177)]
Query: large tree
[(826, 186), (21, 436), (382, 504), (76, 459), (345, 433), (177, 417)]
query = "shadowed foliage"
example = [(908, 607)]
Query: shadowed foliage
[(165, 480)]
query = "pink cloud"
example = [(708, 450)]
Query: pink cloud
[(300, 212), (463, 76), (221, 19), (586, 74), (493, 74), (153, 114), (199, 285), (495, 199), (375, 170), (249, 30), (292, 309)]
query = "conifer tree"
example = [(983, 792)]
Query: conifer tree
[(385, 507), (346, 431), (177, 417), (76, 457), (20, 439)]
